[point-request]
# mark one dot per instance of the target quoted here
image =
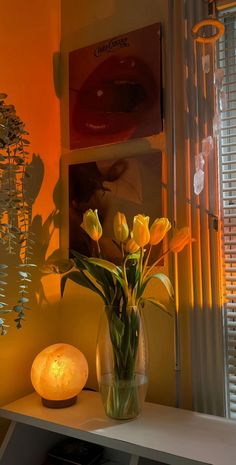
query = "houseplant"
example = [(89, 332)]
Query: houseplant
[(121, 287), (15, 209)]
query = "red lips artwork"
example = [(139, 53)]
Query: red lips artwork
[(115, 89)]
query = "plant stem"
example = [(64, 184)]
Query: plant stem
[(126, 287), (99, 250), (122, 249), (147, 273), (147, 259), (122, 397)]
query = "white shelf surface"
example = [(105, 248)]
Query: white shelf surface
[(173, 436)]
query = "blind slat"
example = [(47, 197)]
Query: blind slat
[(227, 161)]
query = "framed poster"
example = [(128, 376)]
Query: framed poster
[(131, 184), (115, 89)]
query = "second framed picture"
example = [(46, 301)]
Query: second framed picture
[(131, 185)]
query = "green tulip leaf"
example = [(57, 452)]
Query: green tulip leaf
[(157, 304), (134, 256), (117, 328), (101, 275), (133, 275), (80, 260), (104, 264), (164, 279), (109, 266), (80, 278)]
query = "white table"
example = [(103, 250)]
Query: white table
[(164, 434)]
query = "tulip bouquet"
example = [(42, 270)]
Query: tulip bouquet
[(121, 287)]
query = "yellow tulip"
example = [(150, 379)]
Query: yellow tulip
[(121, 230), (141, 234), (91, 224), (181, 238), (158, 230), (131, 246)]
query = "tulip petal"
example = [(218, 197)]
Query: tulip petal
[(91, 224), (181, 238), (158, 230), (121, 230), (141, 234)]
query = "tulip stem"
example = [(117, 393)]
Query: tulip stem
[(141, 267), (99, 250), (125, 276), (147, 258), (155, 263)]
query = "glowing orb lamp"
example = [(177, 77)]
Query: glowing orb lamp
[(58, 374)]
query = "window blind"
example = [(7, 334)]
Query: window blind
[(227, 178)]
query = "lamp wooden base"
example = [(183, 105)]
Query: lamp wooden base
[(59, 403)]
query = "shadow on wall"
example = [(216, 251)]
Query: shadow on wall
[(42, 233)]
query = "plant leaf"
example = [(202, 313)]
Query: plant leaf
[(80, 278), (23, 300), (102, 276), (18, 308), (134, 256), (158, 304), (106, 265), (24, 274), (117, 328), (164, 279), (109, 266)]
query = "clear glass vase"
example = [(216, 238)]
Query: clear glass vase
[(122, 361)]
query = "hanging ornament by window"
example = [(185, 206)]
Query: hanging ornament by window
[(205, 34), (198, 182), (207, 145), (206, 63)]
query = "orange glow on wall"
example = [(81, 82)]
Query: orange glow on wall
[(30, 41)]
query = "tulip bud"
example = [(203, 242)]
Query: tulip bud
[(181, 238), (158, 230), (131, 246), (121, 230), (91, 224), (141, 234)]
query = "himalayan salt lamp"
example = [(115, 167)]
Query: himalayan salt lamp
[(58, 374)]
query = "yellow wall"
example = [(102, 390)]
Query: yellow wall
[(29, 36), (83, 23)]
